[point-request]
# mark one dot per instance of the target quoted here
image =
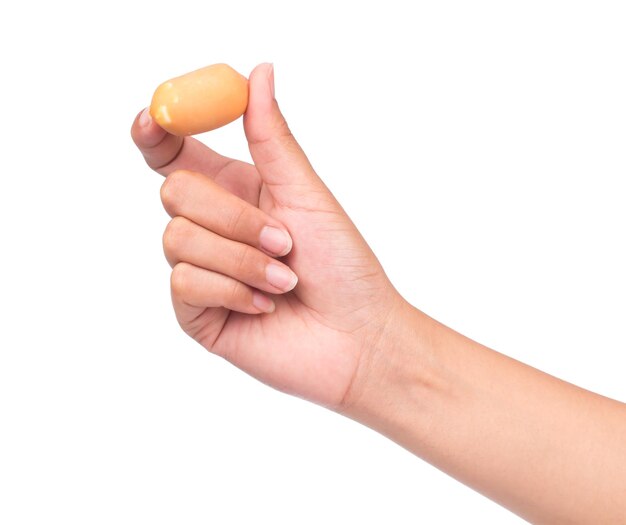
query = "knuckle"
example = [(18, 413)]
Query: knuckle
[(172, 190), (282, 132), (234, 222), (180, 280), (282, 129), (239, 263), (243, 262), (175, 235), (234, 293)]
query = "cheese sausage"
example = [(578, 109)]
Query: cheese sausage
[(200, 101)]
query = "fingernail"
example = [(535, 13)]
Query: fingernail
[(263, 303), (145, 118), (275, 241), (270, 79), (280, 277)]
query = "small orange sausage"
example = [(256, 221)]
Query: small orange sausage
[(200, 101)]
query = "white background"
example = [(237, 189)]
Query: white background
[(479, 146)]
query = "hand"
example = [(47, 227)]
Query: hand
[(239, 236), (344, 338)]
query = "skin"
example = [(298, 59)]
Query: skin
[(343, 337)]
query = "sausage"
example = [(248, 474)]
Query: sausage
[(200, 101)]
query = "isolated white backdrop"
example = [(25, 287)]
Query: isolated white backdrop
[(479, 146)]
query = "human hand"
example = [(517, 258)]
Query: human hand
[(344, 338), (310, 340)]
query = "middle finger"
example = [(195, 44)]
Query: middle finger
[(211, 206), (185, 241)]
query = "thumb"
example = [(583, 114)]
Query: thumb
[(280, 160)]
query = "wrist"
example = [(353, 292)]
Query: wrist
[(397, 375)]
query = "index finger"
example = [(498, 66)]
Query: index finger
[(166, 153)]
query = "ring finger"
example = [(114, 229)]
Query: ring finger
[(194, 289)]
